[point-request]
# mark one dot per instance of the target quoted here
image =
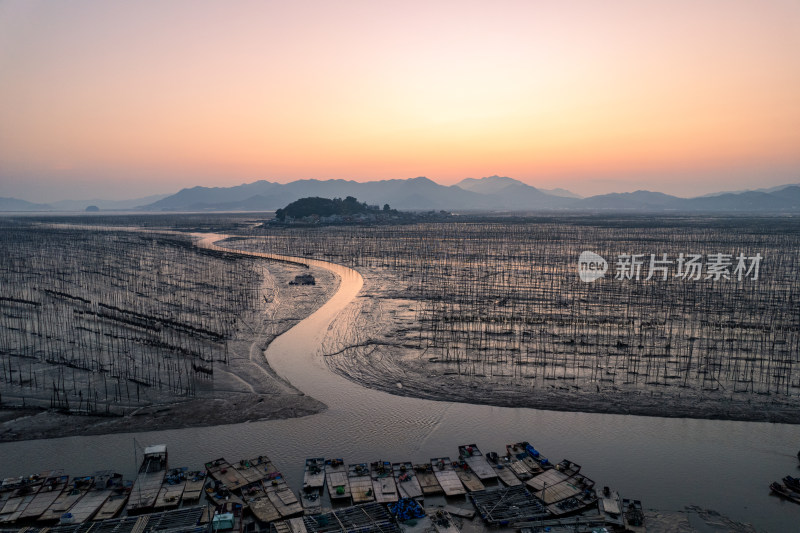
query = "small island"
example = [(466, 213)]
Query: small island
[(330, 211)]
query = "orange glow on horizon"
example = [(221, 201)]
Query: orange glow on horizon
[(197, 93)]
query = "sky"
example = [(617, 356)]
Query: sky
[(113, 99)]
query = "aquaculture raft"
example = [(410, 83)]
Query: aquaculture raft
[(383, 482), (504, 506), (471, 455), (407, 484), (427, 479), (360, 483), (336, 477), (368, 518), (446, 476), (501, 468)]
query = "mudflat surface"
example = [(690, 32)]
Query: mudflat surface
[(245, 389)]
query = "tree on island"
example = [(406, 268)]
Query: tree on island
[(325, 207)]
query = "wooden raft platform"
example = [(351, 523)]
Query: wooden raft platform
[(469, 479), (427, 479), (360, 483), (407, 483), (471, 455), (446, 476), (336, 477), (383, 484)]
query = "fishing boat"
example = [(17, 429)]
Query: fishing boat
[(471, 455), (501, 467), (468, 478), (149, 480), (259, 503), (22, 493), (313, 485), (360, 483), (526, 467), (336, 477), (383, 484), (68, 498), (610, 506), (115, 503), (408, 486), (222, 471), (103, 485), (314, 474), (171, 490), (219, 494), (785, 492), (51, 489), (443, 522), (427, 479), (194, 487), (633, 515), (282, 497), (792, 483), (446, 476)]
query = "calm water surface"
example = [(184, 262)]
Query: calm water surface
[(666, 463)]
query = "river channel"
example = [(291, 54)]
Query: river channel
[(667, 463)]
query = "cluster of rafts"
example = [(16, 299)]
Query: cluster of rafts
[(517, 487)]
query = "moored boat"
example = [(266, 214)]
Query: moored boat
[(785, 492), (149, 480), (427, 479), (793, 483), (314, 473), (468, 478), (407, 483), (336, 477), (471, 455), (447, 477), (172, 489), (68, 498), (383, 484), (360, 483), (501, 467), (51, 489)]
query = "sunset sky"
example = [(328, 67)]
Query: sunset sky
[(111, 99)]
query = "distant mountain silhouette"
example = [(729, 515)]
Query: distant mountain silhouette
[(15, 204), (493, 193)]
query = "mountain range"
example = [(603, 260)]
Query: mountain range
[(494, 193)]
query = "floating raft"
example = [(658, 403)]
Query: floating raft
[(260, 504), (443, 522), (172, 490), (383, 483), (427, 479), (407, 484), (446, 476), (520, 452), (508, 505), (368, 518), (360, 483), (194, 487), (51, 489), (222, 471), (501, 468), (336, 477), (470, 480), (471, 455), (87, 507), (314, 474), (283, 498)]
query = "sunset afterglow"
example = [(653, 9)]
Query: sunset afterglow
[(130, 99)]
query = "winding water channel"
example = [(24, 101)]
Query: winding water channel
[(667, 463)]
